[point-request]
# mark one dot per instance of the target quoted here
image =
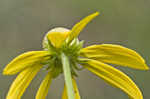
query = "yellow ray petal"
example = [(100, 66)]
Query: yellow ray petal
[(76, 91), (26, 60), (57, 36), (115, 54), (22, 82), (114, 77), (43, 89), (77, 28)]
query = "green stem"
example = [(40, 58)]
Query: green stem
[(67, 74)]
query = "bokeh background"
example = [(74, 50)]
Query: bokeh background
[(23, 24)]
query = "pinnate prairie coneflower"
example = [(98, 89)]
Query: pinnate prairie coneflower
[(62, 53)]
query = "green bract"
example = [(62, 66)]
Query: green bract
[(71, 50)]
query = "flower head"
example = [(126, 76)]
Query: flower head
[(62, 53)]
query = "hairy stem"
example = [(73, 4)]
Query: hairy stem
[(67, 75)]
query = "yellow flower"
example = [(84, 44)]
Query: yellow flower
[(62, 53)]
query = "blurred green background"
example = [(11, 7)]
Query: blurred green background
[(23, 24)]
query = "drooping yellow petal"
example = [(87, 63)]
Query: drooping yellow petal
[(26, 60), (64, 95), (115, 54), (57, 36), (77, 28), (22, 82), (114, 77), (43, 89), (76, 91)]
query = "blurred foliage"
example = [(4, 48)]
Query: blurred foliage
[(23, 24)]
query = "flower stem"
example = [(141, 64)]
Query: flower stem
[(67, 74)]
